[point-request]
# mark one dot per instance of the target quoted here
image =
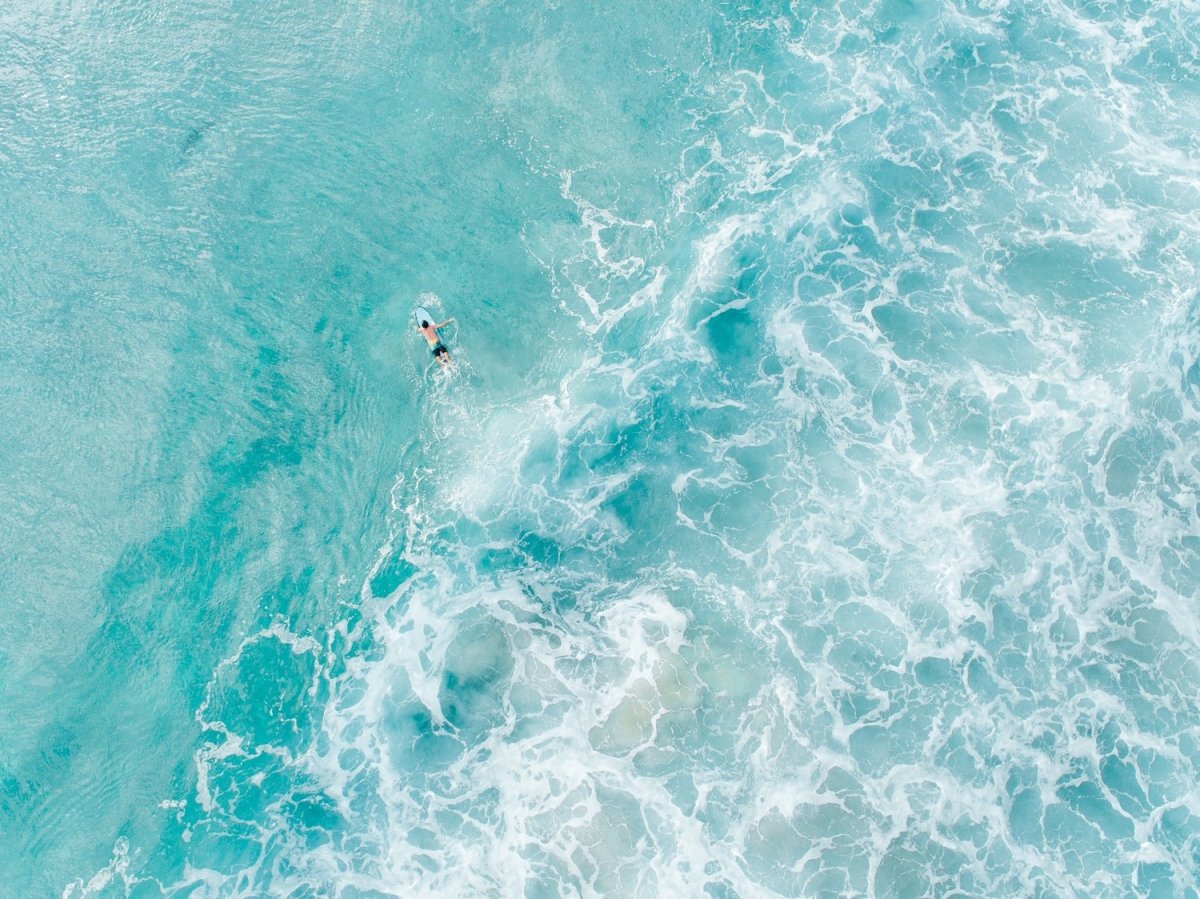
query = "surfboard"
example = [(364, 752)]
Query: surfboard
[(421, 314)]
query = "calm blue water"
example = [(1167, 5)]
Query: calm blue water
[(814, 510)]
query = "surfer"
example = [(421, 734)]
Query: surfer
[(440, 353)]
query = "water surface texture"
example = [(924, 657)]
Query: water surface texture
[(814, 511)]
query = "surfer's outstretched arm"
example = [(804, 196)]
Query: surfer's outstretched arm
[(447, 321)]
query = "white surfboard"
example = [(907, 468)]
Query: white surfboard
[(421, 314)]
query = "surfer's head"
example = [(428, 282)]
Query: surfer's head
[(424, 324)]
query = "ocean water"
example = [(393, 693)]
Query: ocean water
[(814, 509)]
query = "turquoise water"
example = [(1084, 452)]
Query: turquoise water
[(814, 510)]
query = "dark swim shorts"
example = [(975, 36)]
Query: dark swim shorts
[(439, 350)]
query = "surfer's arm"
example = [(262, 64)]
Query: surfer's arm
[(447, 321)]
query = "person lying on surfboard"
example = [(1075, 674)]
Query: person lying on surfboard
[(440, 353)]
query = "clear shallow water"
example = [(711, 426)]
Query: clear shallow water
[(832, 530)]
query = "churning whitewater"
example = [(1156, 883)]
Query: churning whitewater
[(812, 508)]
